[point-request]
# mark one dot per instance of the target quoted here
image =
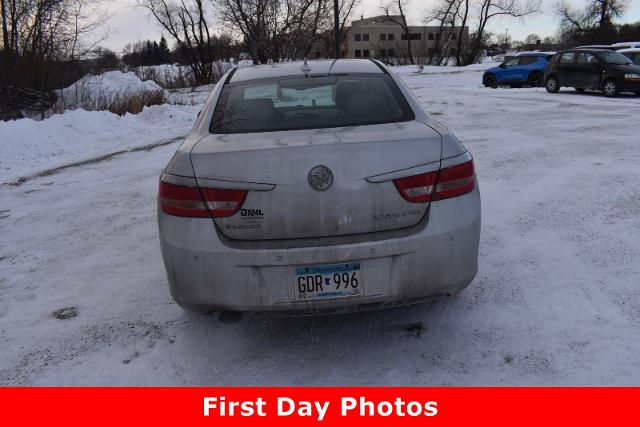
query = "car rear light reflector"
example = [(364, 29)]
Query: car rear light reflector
[(449, 182), (417, 188), (223, 202), (180, 200)]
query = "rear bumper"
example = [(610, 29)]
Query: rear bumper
[(205, 274)]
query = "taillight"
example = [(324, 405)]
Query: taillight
[(180, 200), (187, 201), (449, 182), (455, 181), (222, 202)]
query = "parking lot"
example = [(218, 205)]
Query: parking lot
[(556, 299)]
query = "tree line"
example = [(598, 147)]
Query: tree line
[(148, 52)]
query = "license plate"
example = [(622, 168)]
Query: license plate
[(328, 281)]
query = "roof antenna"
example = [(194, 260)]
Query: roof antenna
[(305, 68)]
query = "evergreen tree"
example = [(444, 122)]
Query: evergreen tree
[(147, 53), (155, 53), (164, 52)]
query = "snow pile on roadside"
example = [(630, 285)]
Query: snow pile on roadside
[(172, 76), (91, 91), (164, 68), (442, 69), (28, 146), (168, 76)]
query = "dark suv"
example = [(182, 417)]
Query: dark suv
[(605, 70)]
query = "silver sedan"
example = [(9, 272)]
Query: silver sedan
[(315, 187)]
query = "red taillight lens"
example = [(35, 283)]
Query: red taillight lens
[(180, 200), (455, 181), (449, 182), (187, 201), (417, 188)]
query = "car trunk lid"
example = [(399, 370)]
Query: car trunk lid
[(286, 200)]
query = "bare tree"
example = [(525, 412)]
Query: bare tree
[(596, 14), (532, 39), (324, 35), (489, 9), (275, 29), (345, 10), (394, 11), (446, 14), (40, 40), (186, 21), (461, 14), (4, 10)]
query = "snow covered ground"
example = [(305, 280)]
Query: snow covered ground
[(435, 69), (28, 146), (556, 300)]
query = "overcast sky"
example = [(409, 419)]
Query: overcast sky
[(130, 23)]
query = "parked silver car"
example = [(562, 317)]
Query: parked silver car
[(319, 186)]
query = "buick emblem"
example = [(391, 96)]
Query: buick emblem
[(320, 178)]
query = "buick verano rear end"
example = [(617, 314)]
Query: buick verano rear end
[(317, 187)]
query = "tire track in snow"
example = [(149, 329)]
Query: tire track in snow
[(58, 169)]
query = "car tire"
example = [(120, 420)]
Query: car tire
[(535, 80), (610, 88), (490, 81), (552, 84)]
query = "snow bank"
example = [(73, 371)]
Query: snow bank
[(442, 69), (172, 76), (28, 146), (91, 91)]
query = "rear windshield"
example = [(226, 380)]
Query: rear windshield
[(615, 58), (310, 102)]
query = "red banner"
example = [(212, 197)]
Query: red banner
[(330, 406)]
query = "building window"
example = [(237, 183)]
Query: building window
[(430, 36), (357, 55), (390, 37), (412, 36), (357, 38), (383, 37), (365, 53), (365, 37), (390, 53), (383, 52)]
